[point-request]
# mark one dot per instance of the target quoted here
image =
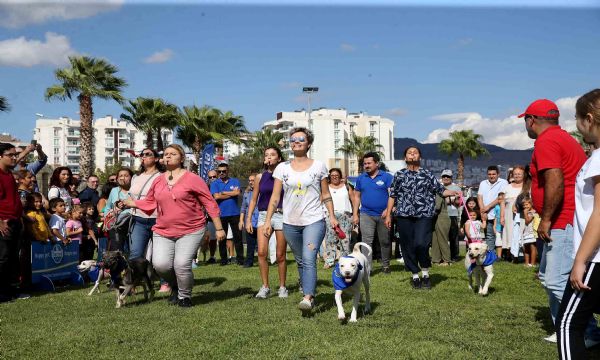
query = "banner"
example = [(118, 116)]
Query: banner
[(207, 161), (53, 261)]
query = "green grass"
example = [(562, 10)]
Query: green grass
[(448, 322)]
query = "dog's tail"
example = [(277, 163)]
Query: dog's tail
[(358, 245)]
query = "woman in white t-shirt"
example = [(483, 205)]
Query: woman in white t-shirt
[(582, 294), (59, 186), (341, 195), (305, 186)]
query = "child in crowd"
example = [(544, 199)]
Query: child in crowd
[(37, 226), (532, 219), (499, 223), (58, 226), (89, 240), (474, 228), (74, 226)]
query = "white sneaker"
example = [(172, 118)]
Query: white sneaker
[(263, 293), (282, 292), (306, 305), (551, 338), (400, 260)]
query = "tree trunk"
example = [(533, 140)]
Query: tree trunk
[(197, 150), (461, 169), (149, 139), (159, 141), (86, 161)]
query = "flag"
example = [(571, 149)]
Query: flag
[(207, 160)]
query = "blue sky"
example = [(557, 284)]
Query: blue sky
[(430, 68)]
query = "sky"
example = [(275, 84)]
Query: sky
[(432, 66)]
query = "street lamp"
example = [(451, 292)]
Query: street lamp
[(309, 91)]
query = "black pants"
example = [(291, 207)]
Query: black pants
[(232, 221), (576, 308), (9, 260), (453, 238), (415, 238)]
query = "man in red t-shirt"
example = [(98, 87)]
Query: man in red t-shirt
[(11, 211), (557, 158)]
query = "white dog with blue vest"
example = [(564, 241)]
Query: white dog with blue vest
[(480, 262), (348, 274)]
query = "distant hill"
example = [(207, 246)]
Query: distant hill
[(498, 155)]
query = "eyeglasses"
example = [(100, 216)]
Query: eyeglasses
[(147, 154), (334, 176), (297, 139), (112, 179), (12, 155), (221, 171), (212, 177)]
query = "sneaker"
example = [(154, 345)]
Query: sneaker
[(416, 283), (22, 296), (164, 288), (263, 293), (282, 292), (212, 260), (194, 265), (173, 300), (386, 270), (400, 260), (426, 283), (306, 305), (232, 260), (551, 338), (224, 262), (185, 302)]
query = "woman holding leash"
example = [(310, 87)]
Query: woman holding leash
[(118, 235), (305, 186), (341, 195), (412, 194), (179, 197), (263, 188)]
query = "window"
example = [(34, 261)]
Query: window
[(371, 126), (338, 154), (352, 128), (336, 143), (56, 132), (336, 134), (336, 124), (55, 142), (372, 133), (337, 163)]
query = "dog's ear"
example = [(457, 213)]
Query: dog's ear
[(484, 248)]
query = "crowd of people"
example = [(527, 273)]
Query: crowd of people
[(546, 212)]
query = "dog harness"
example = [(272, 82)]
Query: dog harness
[(338, 279), (490, 258)]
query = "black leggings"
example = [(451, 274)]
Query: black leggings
[(576, 309), (415, 238)]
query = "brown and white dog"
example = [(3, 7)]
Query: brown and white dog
[(348, 274), (479, 261)]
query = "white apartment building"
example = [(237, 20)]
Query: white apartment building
[(60, 139), (332, 128)]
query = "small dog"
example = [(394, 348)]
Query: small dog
[(480, 261), (348, 274)]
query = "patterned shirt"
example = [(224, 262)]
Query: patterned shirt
[(414, 193)]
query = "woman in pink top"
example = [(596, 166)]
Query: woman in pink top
[(179, 198)]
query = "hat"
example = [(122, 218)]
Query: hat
[(543, 108), (447, 172)]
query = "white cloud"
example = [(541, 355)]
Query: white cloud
[(396, 112), (508, 132), (22, 52), (159, 57), (347, 48), (19, 13)]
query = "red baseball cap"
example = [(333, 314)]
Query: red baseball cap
[(543, 108)]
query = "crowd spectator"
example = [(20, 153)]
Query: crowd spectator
[(90, 193), (305, 191), (371, 194), (210, 227), (252, 218), (226, 191), (118, 235), (34, 167), (89, 241), (341, 195), (58, 225), (38, 227), (487, 198), (59, 186), (25, 183), (444, 245), (511, 191)]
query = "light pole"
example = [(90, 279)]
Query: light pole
[(309, 91)]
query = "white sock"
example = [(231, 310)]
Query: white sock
[(425, 272), (415, 276)]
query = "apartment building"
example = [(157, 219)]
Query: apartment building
[(332, 128), (61, 141)]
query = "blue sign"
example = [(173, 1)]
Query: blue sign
[(207, 160), (51, 262)]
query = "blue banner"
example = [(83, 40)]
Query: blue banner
[(207, 161), (53, 261)]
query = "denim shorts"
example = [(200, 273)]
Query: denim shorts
[(276, 220)]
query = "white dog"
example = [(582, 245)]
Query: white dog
[(348, 274), (480, 262)]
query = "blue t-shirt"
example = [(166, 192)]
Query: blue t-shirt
[(229, 206), (497, 214), (374, 192)]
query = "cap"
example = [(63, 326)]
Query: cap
[(543, 108), (447, 172)]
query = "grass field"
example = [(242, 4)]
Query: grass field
[(448, 322)]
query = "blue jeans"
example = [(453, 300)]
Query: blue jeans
[(140, 234), (250, 247), (305, 242), (490, 235)]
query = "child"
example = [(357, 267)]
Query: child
[(499, 223), (37, 226), (474, 228), (74, 226), (58, 226), (531, 217), (470, 205), (89, 240)]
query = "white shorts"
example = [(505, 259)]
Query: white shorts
[(276, 220), (498, 239), (528, 240)]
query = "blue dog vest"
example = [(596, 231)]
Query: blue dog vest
[(338, 279), (490, 258)]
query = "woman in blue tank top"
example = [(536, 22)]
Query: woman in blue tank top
[(263, 185)]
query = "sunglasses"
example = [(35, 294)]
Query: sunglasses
[(12, 155), (297, 139), (221, 171), (212, 177), (112, 179), (147, 154)]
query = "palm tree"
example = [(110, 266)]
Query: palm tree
[(4, 105), (359, 146), (579, 137), (464, 143), (166, 117), (152, 116), (263, 139), (137, 116), (87, 78)]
